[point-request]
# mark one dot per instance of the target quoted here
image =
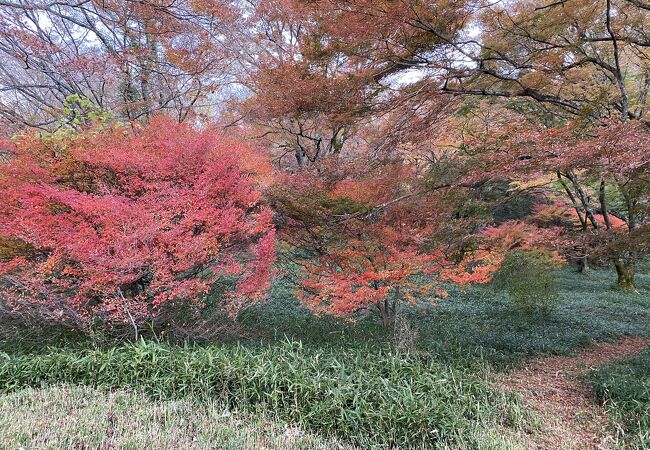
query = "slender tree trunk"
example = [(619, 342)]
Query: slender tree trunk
[(387, 313), (581, 258), (625, 272), (300, 157), (603, 204), (576, 207), (584, 199), (624, 269)]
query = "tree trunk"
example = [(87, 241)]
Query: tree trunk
[(625, 272), (583, 267), (581, 258), (387, 313), (603, 204), (584, 199), (583, 220)]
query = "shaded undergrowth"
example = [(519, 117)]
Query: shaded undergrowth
[(480, 321)]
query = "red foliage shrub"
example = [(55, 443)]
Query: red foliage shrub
[(480, 265), (120, 221)]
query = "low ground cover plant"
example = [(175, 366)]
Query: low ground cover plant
[(363, 396), (68, 416), (624, 388), (527, 276)]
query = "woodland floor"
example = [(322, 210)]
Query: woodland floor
[(548, 360), (554, 388)]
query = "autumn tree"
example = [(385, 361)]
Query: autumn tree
[(326, 70), (583, 59), (551, 65), (569, 81), (113, 224), (128, 58), (365, 235), (599, 175)]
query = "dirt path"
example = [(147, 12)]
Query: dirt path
[(552, 387)]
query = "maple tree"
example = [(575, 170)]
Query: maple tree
[(607, 163), (563, 59), (113, 223), (348, 207), (363, 237), (326, 71), (567, 113)]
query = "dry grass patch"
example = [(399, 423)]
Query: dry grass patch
[(78, 417)]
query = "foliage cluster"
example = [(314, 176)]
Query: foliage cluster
[(111, 225), (358, 236)]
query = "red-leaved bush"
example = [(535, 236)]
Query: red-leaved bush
[(112, 224)]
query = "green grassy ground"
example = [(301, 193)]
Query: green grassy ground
[(368, 397), (477, 321), (486, 323), (336, 381), (624, 388)]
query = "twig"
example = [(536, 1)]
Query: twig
[(135, 327)]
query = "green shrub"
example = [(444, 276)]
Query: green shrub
[(624, 388), (527, 276), (375, 399)]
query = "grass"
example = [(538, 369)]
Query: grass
[(624, 388), (339, 381), (59, 417), (374, 399), (486, 323), (65, 416), (480, 322)]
